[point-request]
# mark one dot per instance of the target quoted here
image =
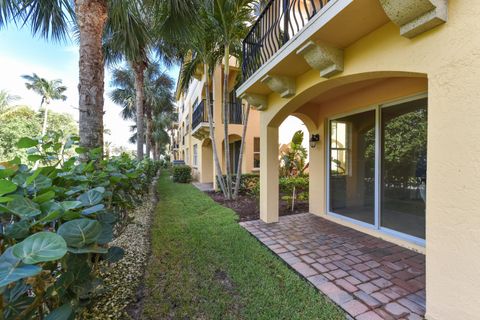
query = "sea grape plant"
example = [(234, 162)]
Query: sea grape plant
[(57, 217)]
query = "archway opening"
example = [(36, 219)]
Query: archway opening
[(293, 163), (207, 162)]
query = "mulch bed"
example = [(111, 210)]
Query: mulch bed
[(248, 208)]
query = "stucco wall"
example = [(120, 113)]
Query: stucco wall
[(449, 57)]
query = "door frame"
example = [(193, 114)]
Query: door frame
[(378, 169)]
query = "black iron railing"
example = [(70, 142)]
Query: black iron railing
[(200, 114), (235, 110), (278, 22)]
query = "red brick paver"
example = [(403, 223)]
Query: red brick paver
[(368, 277)]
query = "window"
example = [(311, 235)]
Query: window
[(340, 147), (195, 154), (256, 153), (187, 157)]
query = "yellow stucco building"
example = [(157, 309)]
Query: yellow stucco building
[(192, 142), (386, 84)]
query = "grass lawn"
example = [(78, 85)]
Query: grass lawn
[(206, 266)]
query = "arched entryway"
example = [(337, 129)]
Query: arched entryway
[(369, 168), (206, 173)]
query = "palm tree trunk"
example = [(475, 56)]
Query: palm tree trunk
[(157, 150), (240, 157), (45, 118), (154, 149), (91, 17), (139, 68), (216, 161), (226, 117), (148, 133)]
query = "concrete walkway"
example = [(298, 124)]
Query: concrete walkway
[(369, 278), (205, 187)]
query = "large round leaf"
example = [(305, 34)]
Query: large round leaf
[(91, 198), (24, 207), (7, 187), (18, 230), (12, 269), (40, 247), (80, 232)]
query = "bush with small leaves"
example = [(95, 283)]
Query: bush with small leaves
[(182, 174)]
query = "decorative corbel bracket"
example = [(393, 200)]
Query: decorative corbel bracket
[(325, 58), (416, 16), (256, 101), (285, 86)]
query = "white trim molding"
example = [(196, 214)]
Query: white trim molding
[(416, 16)]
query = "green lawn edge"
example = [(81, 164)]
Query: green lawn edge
[(204, 265)]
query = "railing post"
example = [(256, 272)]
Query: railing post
[(286, 19)]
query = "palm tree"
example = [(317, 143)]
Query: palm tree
[(128, 37), (231, 18), (157, 98), (6, 99), (48, 90), (52, 20), (199, 39)]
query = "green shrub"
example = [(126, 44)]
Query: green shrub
[(57, 222), (288, 183), (182, 174), (249, 183)]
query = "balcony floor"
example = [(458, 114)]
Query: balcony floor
[(367, 277)]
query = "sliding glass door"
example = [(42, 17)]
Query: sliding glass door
[(352, 168), (404, 167), (377, 167)]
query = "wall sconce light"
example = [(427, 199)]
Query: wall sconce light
[(314, 139)]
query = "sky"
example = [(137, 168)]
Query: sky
[(21, 53)]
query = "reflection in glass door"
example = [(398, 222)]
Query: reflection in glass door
[(377, 168), (404, 167), (352, 166)]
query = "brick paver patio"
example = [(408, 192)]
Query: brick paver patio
[(366, 276)]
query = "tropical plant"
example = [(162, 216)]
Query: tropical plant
[(212, 38), (6, 100), (292, 165), (48, 90), (231, 18), (158, 102), (53, 20), (21, 121), (57, 222), (127, 37), (293, 157)]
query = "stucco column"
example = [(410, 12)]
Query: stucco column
[(269, 196), (316, 173), (453, 191)]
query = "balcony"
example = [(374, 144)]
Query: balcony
[(200, 127), (293, 37), (278, 23), (235, 112)]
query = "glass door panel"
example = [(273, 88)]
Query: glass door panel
[(404, 167), (352, 166)]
